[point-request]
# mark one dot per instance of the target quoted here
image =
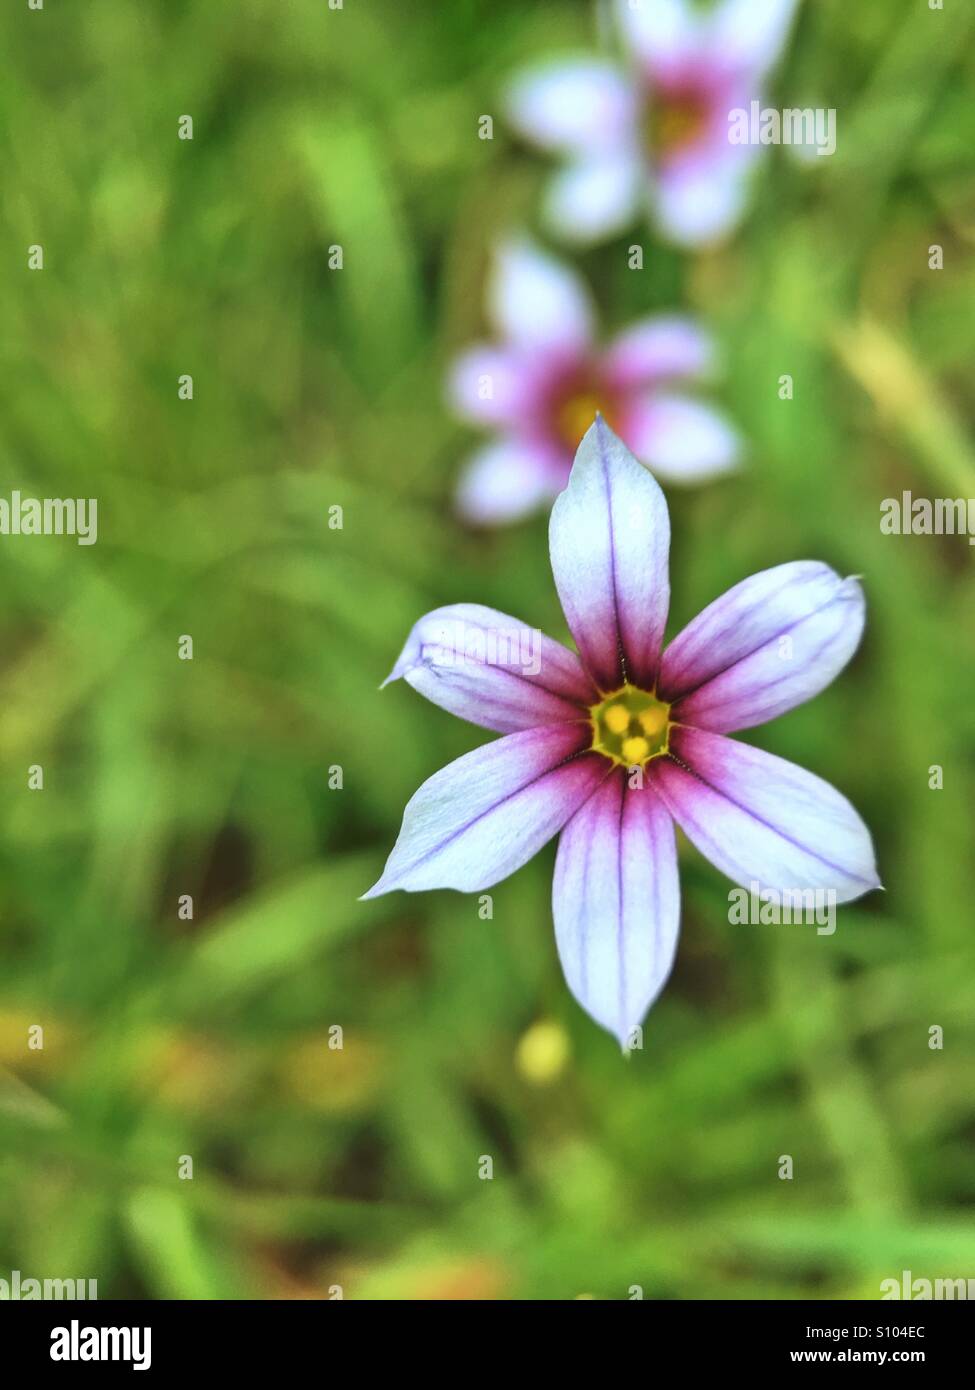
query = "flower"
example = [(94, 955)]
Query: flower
[(657, 132), (615, 745), (542, 384)]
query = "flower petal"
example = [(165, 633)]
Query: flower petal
[(699, 200), (682, 440), (770, 643), (657, 31), (760, 819), (537, 302), (657, 349), (595, 198), (750, 34), (609, 540), (487, 386), (507, 479), (480, 818), (493, 670), (582, 104), (616, 903)]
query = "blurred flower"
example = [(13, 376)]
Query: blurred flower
[(614, 745), (541, 386), (658, 131)]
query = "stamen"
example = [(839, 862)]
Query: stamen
[(617, 719), (653, 721), (630, 726), (635, 750)]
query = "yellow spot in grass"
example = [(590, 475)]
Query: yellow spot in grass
[(542, 1053)]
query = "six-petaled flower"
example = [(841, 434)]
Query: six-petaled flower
[(655, 132), (614, 746), (541, 384)]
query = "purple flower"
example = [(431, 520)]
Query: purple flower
[(612, 746), (541, 385), (657, 132)]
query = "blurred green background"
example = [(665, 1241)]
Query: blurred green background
[(316, 1167)]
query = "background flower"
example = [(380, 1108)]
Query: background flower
[(654, 132), (542, 384)]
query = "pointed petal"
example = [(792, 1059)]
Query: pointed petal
[(750, 34), (609, 539), (767, 645), (657, 32), (595, 198), (760, 819), (578, 105), (616, 903), (537, 302), (682, 440), (487, 385), (657, 349), (700, 200), (493, 670), (480, 818), (507, 479)]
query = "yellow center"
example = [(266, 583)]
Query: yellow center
[(576, 413), (630, 727), (676, 121)]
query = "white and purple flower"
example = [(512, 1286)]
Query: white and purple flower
[(654, 133), (615, 745), (542, 383)]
